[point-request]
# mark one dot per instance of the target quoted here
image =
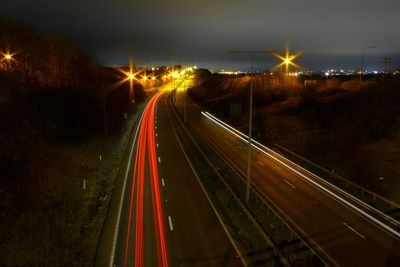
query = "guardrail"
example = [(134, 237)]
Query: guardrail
[(387, 206), (345, 198), (285, 233), (290, 241)]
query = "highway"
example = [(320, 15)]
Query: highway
[(343, 231), (164, 217)]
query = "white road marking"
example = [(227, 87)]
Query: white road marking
[(162, 181), (156, 134), (157, 144), (341, 200), (286, 181), (171, 227), (354, 230), (260, 163), (121, 200), (159, 159), (212, 205)]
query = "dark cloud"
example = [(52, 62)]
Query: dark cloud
[(157, 31)]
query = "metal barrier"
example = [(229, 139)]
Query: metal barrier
[(379, 202), (287, 238)]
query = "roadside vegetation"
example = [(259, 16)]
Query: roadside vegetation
[(349, 127), (63, 130)]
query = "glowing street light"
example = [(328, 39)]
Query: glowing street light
[(287, 60), (8, 56), (129, 76)]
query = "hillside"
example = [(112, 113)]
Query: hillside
[(54, 104)]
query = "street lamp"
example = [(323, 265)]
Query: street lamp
[(287, 60), (184, 100), (8, 57), (130, 76), (251, 53), (362, 59)]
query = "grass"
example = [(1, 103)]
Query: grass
[(46, 217)]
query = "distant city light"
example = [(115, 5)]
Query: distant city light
[(228, 72)]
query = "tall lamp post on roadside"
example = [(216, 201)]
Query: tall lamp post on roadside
[(184, 99), (251, 53), (362, 59)]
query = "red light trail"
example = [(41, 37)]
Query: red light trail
[(146, 139)]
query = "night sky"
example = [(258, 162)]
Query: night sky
[(152, 32)]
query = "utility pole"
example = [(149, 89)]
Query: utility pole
[(184, 99), (362, 59), (251, 54), (386, 62)]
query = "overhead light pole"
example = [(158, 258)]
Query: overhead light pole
[(184, 100), (251, 53), (362, 59)]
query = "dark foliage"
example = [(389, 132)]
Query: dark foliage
[(54, 104), (346, 125)]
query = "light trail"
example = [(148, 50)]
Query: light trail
[(160, 232), (140, 195), (146, 149), (131, 206), (111, 262), (325, 190)]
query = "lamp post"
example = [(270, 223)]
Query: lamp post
[(362, 59), (131, 77), (251, 53), (184, 100)]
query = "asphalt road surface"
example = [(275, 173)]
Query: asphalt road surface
[(341, 230), (165, 218)]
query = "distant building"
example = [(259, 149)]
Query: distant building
[(308, 82)]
